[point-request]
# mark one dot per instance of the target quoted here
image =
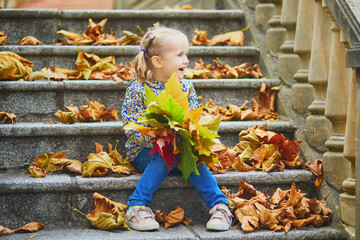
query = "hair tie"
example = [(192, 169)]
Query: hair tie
[(142, 50)]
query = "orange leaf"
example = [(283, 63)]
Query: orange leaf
[(241, 166), (99, 148), (174, 217), (303, 222), (8, 117), (30, 40), (248, 217), (266, 217), (30, 227)]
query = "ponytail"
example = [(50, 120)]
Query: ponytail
[(142, 59)]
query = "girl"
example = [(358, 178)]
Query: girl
[(163, 51)]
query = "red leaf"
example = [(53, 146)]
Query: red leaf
[(165, 147)]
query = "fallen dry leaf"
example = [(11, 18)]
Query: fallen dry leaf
[(13, 67), (8, 117), (174, 217), (29, 227), (107, 215), (30, 40), (3, 37)]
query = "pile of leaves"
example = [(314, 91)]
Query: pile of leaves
[(102, 163), (286, 209), (220, 70), (234, 38), (53, 162), (89, 66), (172, 218), (181, 136), (92, 111), (8, 117), (95, 35), (29, 227), (13, 67), (262, 108), (258, 149), (98, 164), (107, 215)]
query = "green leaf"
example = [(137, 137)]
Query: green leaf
[(188, 160), (150, 96), (174, 110)]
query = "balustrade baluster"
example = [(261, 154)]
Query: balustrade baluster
[(276, 34), (336, 167), (303, 93), (288, 61), (318, 77)]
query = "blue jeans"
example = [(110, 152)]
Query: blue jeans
[(155, 170)]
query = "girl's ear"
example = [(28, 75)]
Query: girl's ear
[(156, 62)]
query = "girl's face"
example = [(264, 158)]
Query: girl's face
[(174, 59)]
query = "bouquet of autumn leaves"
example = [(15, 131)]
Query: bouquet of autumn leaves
[(180, 136)]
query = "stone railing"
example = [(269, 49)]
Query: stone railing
[(319, 66)]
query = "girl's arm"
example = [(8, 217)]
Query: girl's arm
[(133, 107)]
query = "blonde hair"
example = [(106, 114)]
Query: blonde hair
[(153, 43)]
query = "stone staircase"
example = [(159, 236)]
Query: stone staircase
[(51, 199)]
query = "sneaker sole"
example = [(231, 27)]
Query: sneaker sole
[(140, 227), (217, 228)]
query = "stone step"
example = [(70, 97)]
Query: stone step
[(65, 56), (50, 200), (180, 232), (43, 23), (22, 142), (39, 100)]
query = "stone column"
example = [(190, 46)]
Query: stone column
[(303, 93), (264, 11), (275, 35), (347, 199), (335, 165), (288, 61), (318, 77), (357, 149)]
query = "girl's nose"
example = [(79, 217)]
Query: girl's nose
[(186, 60)]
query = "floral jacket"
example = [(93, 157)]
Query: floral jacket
[(134, 105)]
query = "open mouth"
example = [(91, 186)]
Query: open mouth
[(181, 69)]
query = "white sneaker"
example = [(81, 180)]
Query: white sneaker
[(141, 218), (221, 218)]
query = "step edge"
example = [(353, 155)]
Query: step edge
[(60, 182), (52, 50), (119, 14), (35, 129), (156, 13), (90, 85)]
